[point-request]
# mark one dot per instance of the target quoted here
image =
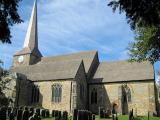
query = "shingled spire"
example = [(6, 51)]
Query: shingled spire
[(31, 41)]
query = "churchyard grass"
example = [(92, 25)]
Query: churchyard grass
[(122, 117)]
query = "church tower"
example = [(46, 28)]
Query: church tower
[(30, 53)]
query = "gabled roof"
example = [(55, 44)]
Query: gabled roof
[(123, 71), (86, 56), (50, 71)]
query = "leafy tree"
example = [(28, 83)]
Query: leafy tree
[(146, 45), (144, 18), (143, 12), (8, 17)]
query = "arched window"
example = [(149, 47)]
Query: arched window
[(56, 93), (35, 94), (129, 94), (94, 96)]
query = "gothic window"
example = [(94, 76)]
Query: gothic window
[(129, 95), (56, 93), (82, 91), (94, 96), (35, 94), (74, 88)]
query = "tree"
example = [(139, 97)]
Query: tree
[(146, 45), (144, 18), (8, 17)]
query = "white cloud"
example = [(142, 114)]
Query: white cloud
[(76, 25)]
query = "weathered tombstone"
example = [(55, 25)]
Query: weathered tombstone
[(93, 117), (75, 114), (3, 113), (85, 115), (19, 114), (101, 112), (65, 115), (31, 112), (47, 113), (90, 116), (58, 115), (25, 115), (38, 111), (80, 115), (53, 113), (43, 113)]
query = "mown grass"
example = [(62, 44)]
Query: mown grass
[(122, 117)]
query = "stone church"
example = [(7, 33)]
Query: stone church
[(80, 80)]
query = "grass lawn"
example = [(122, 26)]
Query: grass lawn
[(124, 117)]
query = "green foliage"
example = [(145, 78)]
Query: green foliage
[(144, 18), (8, 17), (146, 45), (143, 12)]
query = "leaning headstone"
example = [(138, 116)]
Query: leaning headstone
[(3, 114), (65, 115), (75, 114)]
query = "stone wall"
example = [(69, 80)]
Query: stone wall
[(81, 83), (46, 95), (23, 92), (142, 97)]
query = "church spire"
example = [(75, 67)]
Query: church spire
[(31, 39)]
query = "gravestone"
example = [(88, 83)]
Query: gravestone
[(43, 113), (3, 113), (19, 114), (75, 114), (25, 115), (47, 113), (101, 112), (90, 115), (31, 112), (93, 117), (38, 111), (53, 113), (65, 115)]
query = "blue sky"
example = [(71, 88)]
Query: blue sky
[(67, 26)]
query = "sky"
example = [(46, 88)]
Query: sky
[(68, 26)]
